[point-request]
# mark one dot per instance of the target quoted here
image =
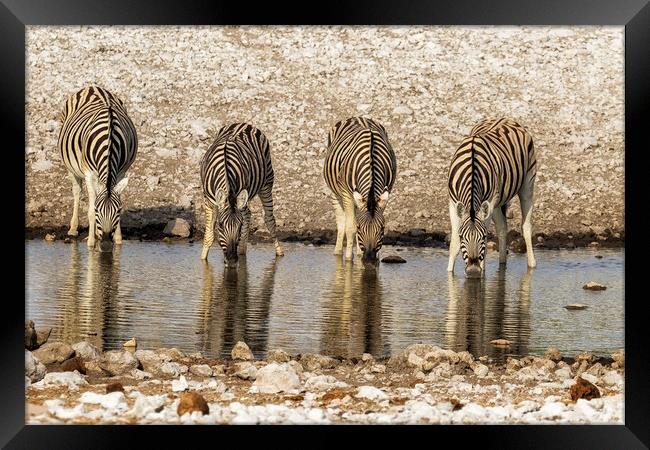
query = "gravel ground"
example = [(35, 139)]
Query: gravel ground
[(428, 85), (422, 384)]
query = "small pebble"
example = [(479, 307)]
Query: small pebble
[(593, 286), (576, 306), (393, 259)]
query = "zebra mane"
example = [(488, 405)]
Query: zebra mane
[(109, 122), (229, 192), (372, 203)]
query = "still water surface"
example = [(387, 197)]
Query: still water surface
[(312, 301)]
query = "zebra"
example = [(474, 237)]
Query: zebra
[(493, 164), (97, 143), (359, 169), (236, 168)]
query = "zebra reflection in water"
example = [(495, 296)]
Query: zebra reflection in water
[(89, 296), (480, 311), (232, 311), (352, 315)]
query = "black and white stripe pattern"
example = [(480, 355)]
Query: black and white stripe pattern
[(236, 168), (98, 143), (360, 168), (493, 164)]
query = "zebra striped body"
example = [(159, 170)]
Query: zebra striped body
[(97, 143), (493, 164), (236, 168), (360, 168)]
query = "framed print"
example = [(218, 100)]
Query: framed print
[(377, 214)]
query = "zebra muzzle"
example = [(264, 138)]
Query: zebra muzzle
[(105, 245), (473, 271)]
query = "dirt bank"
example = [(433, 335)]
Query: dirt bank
[(427, 85)]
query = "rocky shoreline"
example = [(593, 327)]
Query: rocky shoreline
[(416, 237), (79, 384)]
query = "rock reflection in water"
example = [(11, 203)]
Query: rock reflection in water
[(480, 310), (352, 312), (231, 311)]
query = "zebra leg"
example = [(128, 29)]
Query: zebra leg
[(340, 227), (526, 201), (117, 237), (454, 243), (350, 227), (241, 248), (208, 238), (266, 196), (76, 193), (90, 187), (500, 224)]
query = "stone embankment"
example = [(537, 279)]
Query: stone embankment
[(421, 384)]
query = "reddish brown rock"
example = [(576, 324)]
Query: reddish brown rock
[(114, 387), (584, 389), (593, 286), (72, 364), (192, 401)]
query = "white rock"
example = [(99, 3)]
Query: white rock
[(589, 377), (481, 370), (371, 393), (34, 369), (242, 352), (87, 351), (147, 404), (275, 377), (70, 379), (246, 371), (56, 408), (113, 400), (178, 227), (552, 410), (180, 384), (323, 383), (173, 369), (613, 378), (202, 370)]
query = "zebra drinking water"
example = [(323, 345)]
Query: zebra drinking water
[(493, 164), (360, 168), (236, 168), (98, 143)]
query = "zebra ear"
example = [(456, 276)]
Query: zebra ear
[(221, 198), (460, 209), (242, 199), (358, 199), (383, 199), (119, 187), (485, 210)]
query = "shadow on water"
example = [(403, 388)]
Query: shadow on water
[(231, 311), (480, 310), (352, 312), (89, 297)]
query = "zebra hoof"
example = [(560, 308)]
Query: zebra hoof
[(73, 233)]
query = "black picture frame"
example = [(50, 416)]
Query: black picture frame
[(633, 14)]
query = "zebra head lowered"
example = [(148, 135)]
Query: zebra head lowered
[(108, 208), (472, 233), (230, 220), (370, 224)]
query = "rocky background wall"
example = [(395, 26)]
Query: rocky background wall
[(427, 85)]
